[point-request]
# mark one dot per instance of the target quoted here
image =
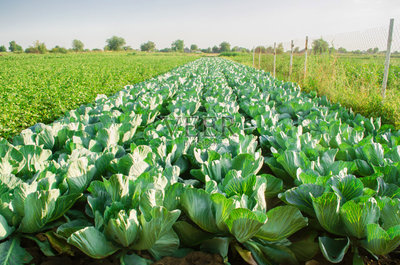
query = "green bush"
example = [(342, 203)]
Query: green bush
[(58, 49), (229, 54)]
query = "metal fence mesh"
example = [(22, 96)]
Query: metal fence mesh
[(357, 41)]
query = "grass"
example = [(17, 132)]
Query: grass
[(41, 88), (353, 80)]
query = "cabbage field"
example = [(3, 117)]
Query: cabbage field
[(212, 156)]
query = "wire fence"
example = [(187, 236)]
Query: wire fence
[(372, 43), (357, 41)]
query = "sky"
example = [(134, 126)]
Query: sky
[(205, 23)]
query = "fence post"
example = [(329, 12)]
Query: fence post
[(291, 59), (254, 50), (387, 61), (305, 59), (274, 58), (259, 58)]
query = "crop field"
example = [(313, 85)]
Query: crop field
[(354, 81), (213, 156), (41, 88)]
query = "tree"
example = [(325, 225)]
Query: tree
[(194, 47), (208, 50), (236, 49), (279, 49), (115, 43), (166, 50), (215, 49), (148, 46), (3, 48), (241, 49), (14, 47), (342, 50), (58, 49), (77, 45), (296, 50), (260, 49), (269, 49), (127, 48), (320, 46), (38, 47), (178, 46), (41, 47), (224, 47), (373, 50)]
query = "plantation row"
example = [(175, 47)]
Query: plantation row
[(214, 156)]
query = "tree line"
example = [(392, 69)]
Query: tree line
[(318, 46), (115, 43)]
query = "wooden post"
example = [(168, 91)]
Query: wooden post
[(305, 59), (291, 59), (274, 58), (387, 61), (254, 50), (259, 58)]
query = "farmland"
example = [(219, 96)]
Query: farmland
[(210, 156), (41, 88), (352, 80)]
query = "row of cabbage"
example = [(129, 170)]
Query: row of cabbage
[(177, 163), (340, 169)]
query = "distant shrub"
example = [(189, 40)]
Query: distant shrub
[(58, 49), (229, 54), (38, 47), (31, 50)]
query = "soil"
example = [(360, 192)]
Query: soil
[(391, 259), (78, 259), (193, 258), (383, 260)]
